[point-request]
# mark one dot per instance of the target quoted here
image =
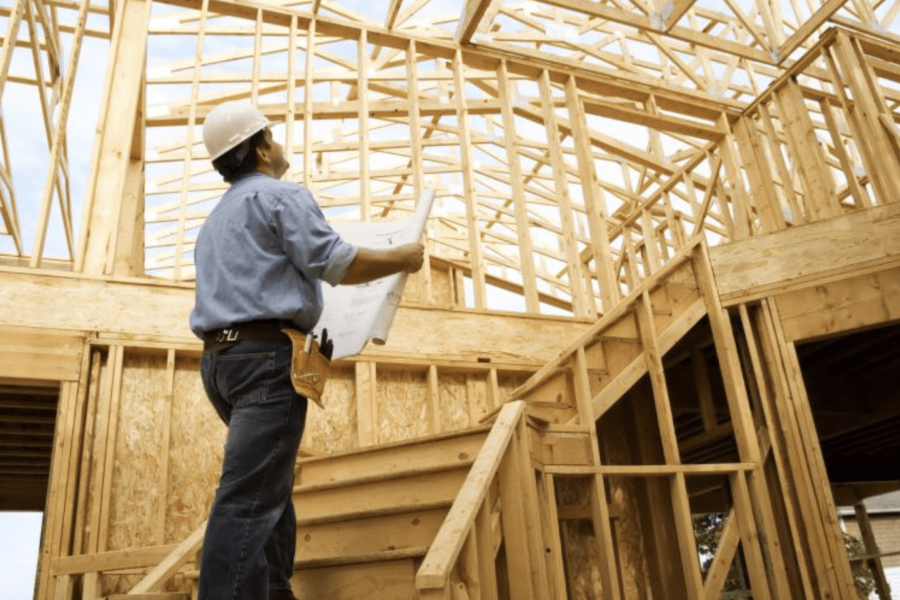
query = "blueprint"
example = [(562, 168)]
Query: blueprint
[(357, 314)]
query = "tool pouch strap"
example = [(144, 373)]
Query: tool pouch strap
[(309, 370)]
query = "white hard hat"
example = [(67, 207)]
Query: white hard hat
[(227, 125)]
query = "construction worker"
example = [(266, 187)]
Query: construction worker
[(260, 258)]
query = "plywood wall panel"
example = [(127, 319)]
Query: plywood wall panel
[(581, 553), (453, 401), (402, 398), (625, 496), (334, 428), (478, 397), (135, 497), (195, 453), (506, 383), (443, 288)]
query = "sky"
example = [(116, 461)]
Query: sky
[(20, 532)]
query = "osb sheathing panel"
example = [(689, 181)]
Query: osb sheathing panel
[(402, 406), (441, 288), (334, 428), (506, 384), (624, 503), (193, 457), (453, 402), (195, 452), (581, 552), (477, 396), (136, 493)]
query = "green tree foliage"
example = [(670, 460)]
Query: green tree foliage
[(708, 529), (862, 574)]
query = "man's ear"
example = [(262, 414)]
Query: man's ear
[(262, 153)]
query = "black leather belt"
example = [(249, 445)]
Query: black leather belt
[(268, 330)]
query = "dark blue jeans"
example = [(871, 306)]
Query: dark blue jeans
[(251, 534)]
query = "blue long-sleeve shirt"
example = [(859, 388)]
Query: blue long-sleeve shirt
[(261, 255)]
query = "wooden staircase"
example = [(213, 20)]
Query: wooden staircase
[(366, 518)]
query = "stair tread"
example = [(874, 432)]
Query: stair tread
[(368, 514), (391, 461), (368, 557), (395, 445), (376, 477)]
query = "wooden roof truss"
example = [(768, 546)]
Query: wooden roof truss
[(574, 145)]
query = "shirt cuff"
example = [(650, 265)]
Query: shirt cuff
[(340, 260)]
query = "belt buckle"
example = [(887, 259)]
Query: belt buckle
[(227, 335)]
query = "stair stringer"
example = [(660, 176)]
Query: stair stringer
[(613, 348)]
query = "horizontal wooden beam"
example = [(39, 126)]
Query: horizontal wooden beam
[(806, 255), (111, 561), (73, 308), (37, 354), (841, 306)]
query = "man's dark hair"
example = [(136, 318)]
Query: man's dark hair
[(241, 159)]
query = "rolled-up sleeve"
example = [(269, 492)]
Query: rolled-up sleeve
[(341, 258), (315, 249)]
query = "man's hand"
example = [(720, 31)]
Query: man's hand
[(371, 264), (412, 256)]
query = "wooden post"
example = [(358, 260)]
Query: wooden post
[(513, 520), (550, 521), (484, 537), (865, 527), (362, 92), (290, 117), (366, 406), (102, 463), (810, 480), (12, 34), (308, 83), (863, 112), (738, 200), (418, 169), (533, 529), (609, 579), (773, 543), (470, 191), (114, 137), (8, 213), (818, 184), (684, 527), (166, 425), (523, 222), (59, 517), (594, 202), (569, 236), (762, 186), (126, 248), (777, 157)]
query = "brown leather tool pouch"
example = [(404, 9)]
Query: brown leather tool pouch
[(309, 367)]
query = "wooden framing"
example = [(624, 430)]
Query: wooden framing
[(633, 200)]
